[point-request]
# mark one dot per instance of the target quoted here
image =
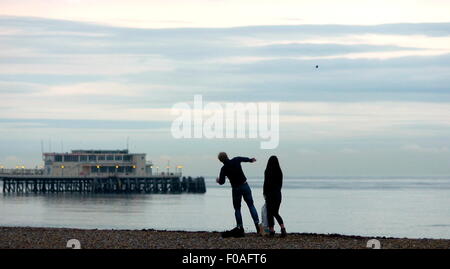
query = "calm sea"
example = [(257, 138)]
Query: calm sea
[(398, 207)]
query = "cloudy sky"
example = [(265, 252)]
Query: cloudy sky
[(89, 74)]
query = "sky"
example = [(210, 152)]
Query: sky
[(90, 74)]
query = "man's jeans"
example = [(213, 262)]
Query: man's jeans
[(239, 192)]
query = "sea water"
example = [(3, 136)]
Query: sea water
[(368, 206)]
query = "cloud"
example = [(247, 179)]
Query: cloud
[(304, 121), (85, 65), (307, 151), (421, 149), (91, 89), (377, 87), (8, 123), (70, 68), (204, 13), (348, 151), (422, 41), (331, 121)]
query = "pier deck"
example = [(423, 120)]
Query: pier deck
[(110, 184)]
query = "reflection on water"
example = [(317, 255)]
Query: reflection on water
[(400, 207)]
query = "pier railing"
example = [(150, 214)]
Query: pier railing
[(111, 184), (41, 172), (21, 171)]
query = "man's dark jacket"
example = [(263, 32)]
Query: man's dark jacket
[(233, 171)]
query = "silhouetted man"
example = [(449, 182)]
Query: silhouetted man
[(233, 171)]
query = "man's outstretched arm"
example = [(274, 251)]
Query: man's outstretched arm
[(245, 159)]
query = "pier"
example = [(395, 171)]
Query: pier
[(98, 171), (111, 184)]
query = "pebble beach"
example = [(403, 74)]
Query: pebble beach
[(56, 238)]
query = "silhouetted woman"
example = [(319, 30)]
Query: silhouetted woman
[(273, 181)]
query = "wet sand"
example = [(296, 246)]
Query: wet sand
[(50, 238)]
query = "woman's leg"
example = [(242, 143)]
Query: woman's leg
[(278, 217), (276, 209), (279, 220)]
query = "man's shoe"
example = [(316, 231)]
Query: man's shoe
[(236, 232), (226, 234), (259, 229)]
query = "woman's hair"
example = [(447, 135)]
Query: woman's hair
[(273, 166)]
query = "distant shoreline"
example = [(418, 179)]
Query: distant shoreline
[(56, 238)]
